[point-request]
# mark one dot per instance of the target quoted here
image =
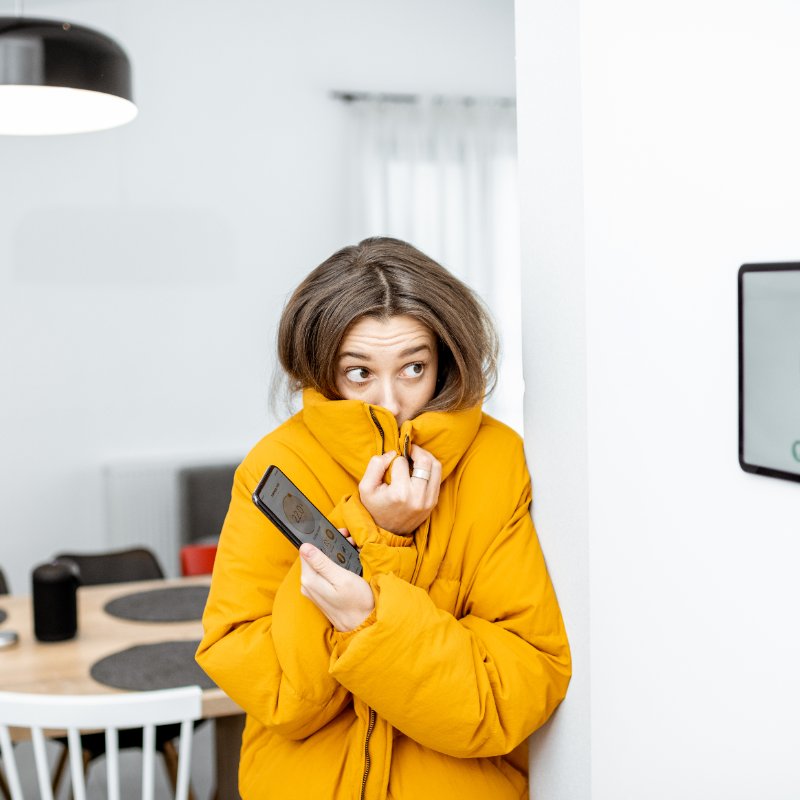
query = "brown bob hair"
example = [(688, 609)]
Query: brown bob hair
[(382, 277)]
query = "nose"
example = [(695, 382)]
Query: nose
[(389, 398)]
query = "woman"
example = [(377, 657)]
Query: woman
[(423, 678)]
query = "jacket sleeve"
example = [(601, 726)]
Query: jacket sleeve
[(264, 644), (474, 686)]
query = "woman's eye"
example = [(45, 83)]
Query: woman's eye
[(414, 370), (357, 374)]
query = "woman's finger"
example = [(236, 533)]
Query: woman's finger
[(421, 457), (427, 487), (346, 534), (315, 587), (308, 581), (376, 469), (400, 474), (434, 484), (319, 563)]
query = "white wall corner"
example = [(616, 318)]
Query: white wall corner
[(554, 359)]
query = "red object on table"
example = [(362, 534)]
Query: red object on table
[(197, 559)]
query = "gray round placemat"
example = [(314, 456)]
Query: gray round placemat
[(165, 665), (3, 615), (176, 604)]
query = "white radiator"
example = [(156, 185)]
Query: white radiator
[(142, 509)]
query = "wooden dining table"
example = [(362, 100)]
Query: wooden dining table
[(64, 667)]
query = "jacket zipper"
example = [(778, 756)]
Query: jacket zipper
[(372, 715), (367, 761), (378, 426), (371, 725)]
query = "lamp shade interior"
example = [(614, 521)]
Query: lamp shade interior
[(43, 110)]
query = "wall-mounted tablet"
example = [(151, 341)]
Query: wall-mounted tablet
[(769, 369)]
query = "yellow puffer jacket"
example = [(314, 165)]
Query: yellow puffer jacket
[(464, 656)]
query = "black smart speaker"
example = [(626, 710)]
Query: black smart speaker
[(55, 607)]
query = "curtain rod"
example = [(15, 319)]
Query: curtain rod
[(410, 99)]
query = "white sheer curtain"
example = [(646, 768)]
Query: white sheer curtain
[(442, 174)]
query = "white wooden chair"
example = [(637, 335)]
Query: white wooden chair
[(109, 712)]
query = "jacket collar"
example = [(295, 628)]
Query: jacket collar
[(352, 432)]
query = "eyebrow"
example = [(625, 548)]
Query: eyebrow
[(408, 352)]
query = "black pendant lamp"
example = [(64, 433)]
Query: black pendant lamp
[(56, 77)]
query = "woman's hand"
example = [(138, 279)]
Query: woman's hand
[(343, 597), (402, 506)]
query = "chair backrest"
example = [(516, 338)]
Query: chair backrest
[(3, 584), (204, 494), (122, 566), (39, 712), (198, 559)]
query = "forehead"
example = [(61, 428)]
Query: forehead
[(369, 334)]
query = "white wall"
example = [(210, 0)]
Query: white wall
[(142, 270), (554, 359), (690, 166)]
